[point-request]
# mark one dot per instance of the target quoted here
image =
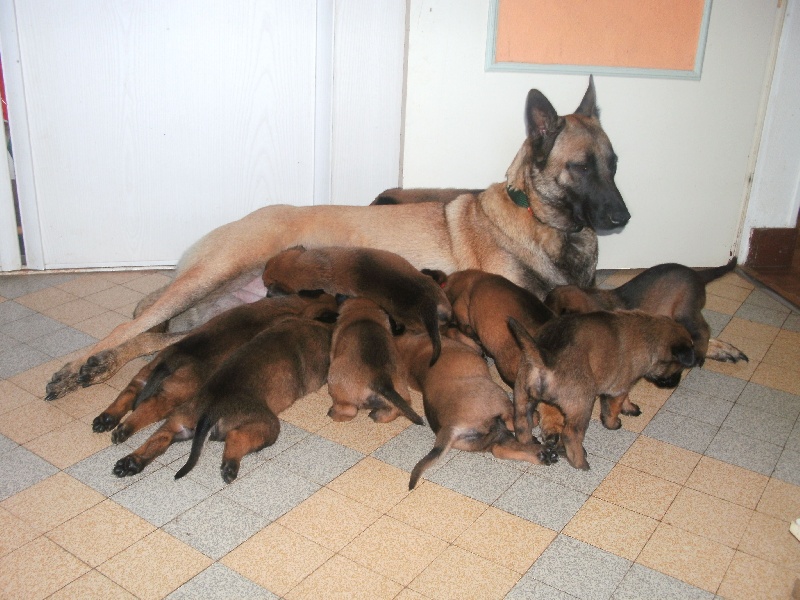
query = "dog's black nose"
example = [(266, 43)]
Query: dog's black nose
[(620, 218)]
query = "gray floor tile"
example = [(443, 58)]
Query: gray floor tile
[(579, 569), (271, 490), (62, 342), (698, 405), (792, 322), (732, 447), (20, 359), (763, 299), (218, 582), (793, 443), (7, 343), (788, 467), (408, 447), (31, 327), (7, 444), (11, 311), (14, 286), (771, 401), (159, 498), (755, 423), (570, 477), (20, 469), (318, 459), (216, 526), (642, 583), (681, 431), (476, 475), (607, 443), (716, 321), (759, 314), (541, 501), (96, 470), (528, 588), (715, 384)]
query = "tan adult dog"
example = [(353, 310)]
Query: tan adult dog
[(465, 407), (536, 228), (180, 369), (365, 370), (575, 358), (384, 277), (240, 402), (670, 289)]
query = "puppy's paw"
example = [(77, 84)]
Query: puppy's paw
[(611, 424), (121, 433), (104, 422), (97, 368), (548, 455), (551, 440), (63, 381), (229, 470), (128, 465), (724, 352), (632, 411)]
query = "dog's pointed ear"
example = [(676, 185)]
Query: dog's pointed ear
[(684, 354), (588, 106), (542, 124), (437, 275), (523, 338)]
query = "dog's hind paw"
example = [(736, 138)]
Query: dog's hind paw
[(724, 352), (229, 470), (127, 466), (104, 422), (64, 381), (548, 455), (632, 411), (97, 368)]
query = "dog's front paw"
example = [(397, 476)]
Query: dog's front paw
[(97, 368), (229, 470), (548, 455), (128, 465), (551, 440), (121, 433), (63, 381), (632, 411), (104, 422)]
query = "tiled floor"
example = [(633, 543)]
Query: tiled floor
[(691, 499)]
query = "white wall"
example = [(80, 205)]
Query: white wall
[(684, 145)]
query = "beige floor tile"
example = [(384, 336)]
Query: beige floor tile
[(394, 549), (168, 563), (637, 491), (373, 483), (750, 578), (769, 538), (783, 355), (329, 519), (749, 329), (660, 459), (123, 277), (709, 517), (780, 378), (456, 574), (44, 299), (92, 586), (788, 339), (127, 310), (728, 289), (32, 420), (754, 349), (277, 558), (74, 312), (101, 532), (696, 560), (86, 403), (737, 280), (115, 297), (14, 532), (310, 412), (611, 528), (52, 501), (506, 539), (728, 482), (38, 569), (344, 579), (645, 392), (34, 380), (86, 285), (780, 500), (148, 282), (720, 304), (637, 424), (13, 397), (362, 434), (101, 325), (438, 511), (69, 444), (408, 594)]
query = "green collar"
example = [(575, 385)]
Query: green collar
[(519, 197)]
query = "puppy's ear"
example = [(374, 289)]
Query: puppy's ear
[(438, 276), (521, 335), (684, 354)]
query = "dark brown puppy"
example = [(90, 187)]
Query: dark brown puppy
[(178, 371), (465, 408), (365, 370), (240, 402), (575, 358), (383, 277), (537, 228), (672, 290)]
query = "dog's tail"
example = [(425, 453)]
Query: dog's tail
[(444, 441), (204, 424), (430, 318), (386, 389), (153, 384), (709, 275)]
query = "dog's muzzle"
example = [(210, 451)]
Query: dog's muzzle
[(666, 382)]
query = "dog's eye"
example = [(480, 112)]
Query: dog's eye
[(578, 167)]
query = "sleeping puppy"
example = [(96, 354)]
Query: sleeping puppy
[(240, 402), (465, 408), (365, 370), (670, 289), (384, 277), (178, 371), (575, 358)]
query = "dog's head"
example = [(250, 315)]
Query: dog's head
[(674, 352), (566, 167), (278, 269)]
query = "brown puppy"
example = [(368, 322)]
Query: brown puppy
[(671, 290), (178, 371), (365, 370), (465, 408), (575, 358), (383, 277), (240, 402), (537, 228)]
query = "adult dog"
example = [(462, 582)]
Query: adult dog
[(536, 228)]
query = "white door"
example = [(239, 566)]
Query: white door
[(140, 126)]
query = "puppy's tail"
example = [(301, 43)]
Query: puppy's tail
[(709, 275), (386, 389), (204, 424), (444, 441), (153, 384)]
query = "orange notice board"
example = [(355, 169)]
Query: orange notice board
[(625, 37)]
